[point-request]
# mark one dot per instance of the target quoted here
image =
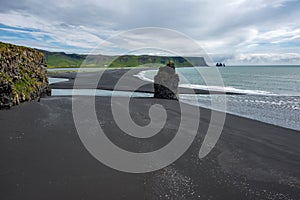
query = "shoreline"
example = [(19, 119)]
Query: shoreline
[(110, 78), (43, 156), (42, 150)]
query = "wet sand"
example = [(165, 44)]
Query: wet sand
[(42, 156)]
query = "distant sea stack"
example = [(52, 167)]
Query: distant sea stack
[(23, 75), (220, 65)]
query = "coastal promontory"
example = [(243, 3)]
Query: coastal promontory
[(23, 75)]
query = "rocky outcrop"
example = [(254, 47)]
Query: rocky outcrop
[(166, 82), (22, 75)]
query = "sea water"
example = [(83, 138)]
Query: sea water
[(271, 93)]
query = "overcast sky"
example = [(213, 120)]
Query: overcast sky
[(231, 31)]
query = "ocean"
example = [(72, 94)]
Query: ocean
[(272, 93)]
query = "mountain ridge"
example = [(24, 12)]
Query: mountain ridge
[(62, 59)]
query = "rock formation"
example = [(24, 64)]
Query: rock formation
[(22, 75), (220, 65), (166, 82)]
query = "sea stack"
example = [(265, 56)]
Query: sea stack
[(166, 82), (23, 75)]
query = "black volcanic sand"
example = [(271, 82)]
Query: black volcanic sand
[(110, 77), (42, 157)]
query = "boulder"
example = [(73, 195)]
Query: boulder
[(166, 83)]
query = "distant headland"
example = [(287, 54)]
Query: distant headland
[(64, 60)]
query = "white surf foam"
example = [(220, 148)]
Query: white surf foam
[(142, 75), (226, 89)]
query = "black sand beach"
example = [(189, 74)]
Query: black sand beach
[(42, 156)]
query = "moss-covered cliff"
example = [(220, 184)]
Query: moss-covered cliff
[(22, 75)]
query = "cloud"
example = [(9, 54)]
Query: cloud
[(222, 27), (56, 34), (266, 58)]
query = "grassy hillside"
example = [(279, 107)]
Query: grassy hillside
[(60, 59), (146, 60)]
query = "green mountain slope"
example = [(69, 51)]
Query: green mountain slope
[(61, 59)]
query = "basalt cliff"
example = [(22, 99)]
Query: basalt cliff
[(23, 75)]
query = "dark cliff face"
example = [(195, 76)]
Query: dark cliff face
[(22, 75)]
